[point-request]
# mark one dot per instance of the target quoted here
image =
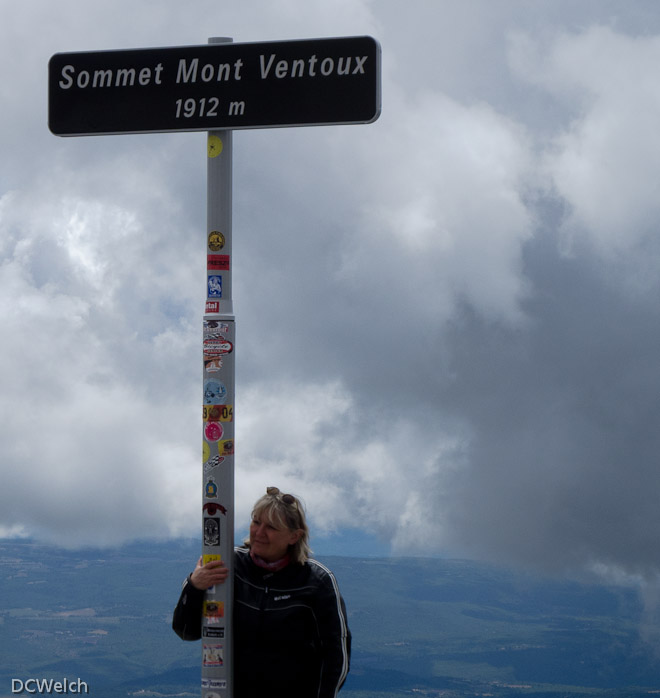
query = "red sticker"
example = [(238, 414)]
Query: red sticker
[(218, 261), (217, 346), (213, 431)]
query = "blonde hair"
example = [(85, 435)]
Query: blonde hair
[(284, 511)]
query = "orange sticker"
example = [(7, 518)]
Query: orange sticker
[(218, 413), (214, 609)]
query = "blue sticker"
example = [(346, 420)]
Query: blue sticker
[(210, 489), (215, 392), (215, 286)]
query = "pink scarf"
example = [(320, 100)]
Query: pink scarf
[(271, 566)]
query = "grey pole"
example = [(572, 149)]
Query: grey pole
[(218, 417)]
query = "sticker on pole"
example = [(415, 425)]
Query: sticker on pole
[(215, 392), (218, 413), (217, 346), (213, 431), (213, 655), (214, 285)]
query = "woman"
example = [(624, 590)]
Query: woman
[(291, 637)]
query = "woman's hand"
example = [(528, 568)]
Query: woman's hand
[(208, 575)]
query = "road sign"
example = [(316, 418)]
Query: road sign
[(215, 86)]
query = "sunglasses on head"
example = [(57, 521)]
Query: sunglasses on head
[(275, 492)]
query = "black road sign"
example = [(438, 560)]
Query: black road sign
[(215, 86)]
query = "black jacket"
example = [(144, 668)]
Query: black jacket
[(291, 638)]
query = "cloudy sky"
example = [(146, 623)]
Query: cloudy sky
[(448, 320)]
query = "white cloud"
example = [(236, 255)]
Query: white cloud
[(309, 440), (87, 391), (604, 164), (445, 210)]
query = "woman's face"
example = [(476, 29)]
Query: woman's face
[(268, 542)]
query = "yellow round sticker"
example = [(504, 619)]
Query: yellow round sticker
[(216, 240), (214, 146), (206, 452)]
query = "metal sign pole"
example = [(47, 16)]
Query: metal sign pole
[(218, 418)]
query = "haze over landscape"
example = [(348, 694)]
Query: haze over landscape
[(421, 626)]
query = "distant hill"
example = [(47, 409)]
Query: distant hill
[(421, 627)]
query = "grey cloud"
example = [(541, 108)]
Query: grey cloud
[(441, 362), (562, 466)]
